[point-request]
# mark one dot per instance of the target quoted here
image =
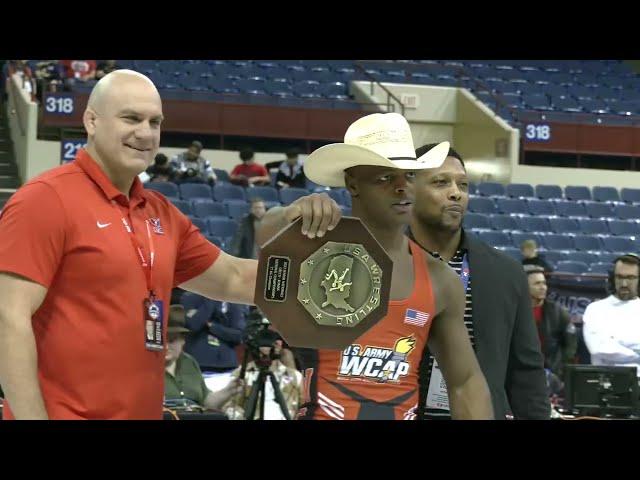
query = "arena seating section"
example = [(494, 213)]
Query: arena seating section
[(599, 91), (579, 230), (587, 231)]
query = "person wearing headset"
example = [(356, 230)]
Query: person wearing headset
[(612, 325)]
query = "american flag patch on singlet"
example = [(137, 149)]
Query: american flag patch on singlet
[(416, 317)]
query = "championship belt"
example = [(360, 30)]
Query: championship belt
[(323, 292)]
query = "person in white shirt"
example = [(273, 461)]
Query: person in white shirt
[(612, 325)]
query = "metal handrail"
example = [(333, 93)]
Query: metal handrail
[(385, 89)]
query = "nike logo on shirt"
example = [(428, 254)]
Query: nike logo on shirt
[(103, 225)]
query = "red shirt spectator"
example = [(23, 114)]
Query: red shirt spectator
[(249, 172), (79, 69)]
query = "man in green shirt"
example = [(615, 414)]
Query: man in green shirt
[(182, 376)]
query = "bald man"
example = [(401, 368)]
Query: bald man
[(88, 259)]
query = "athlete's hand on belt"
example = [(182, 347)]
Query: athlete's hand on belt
[(319, 212)]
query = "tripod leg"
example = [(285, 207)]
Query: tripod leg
[(279, 396), (252, 401)]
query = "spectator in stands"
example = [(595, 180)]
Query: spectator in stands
[(280, 362), (22, 69), (192, 167), (183, 378), (244, 243), (161, 170), (556, 332), (498, 311), (249, 173), (213, 340), (105, 67), (530, 255), (291, 172), (612, 325), (49, 76), (77, 71)]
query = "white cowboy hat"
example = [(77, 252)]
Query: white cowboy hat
[(379, 139)]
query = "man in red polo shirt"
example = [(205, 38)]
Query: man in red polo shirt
[(88, 259), (249, 173)]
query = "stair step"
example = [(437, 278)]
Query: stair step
[(9, 181), (8, 170)]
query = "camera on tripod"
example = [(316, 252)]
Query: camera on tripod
[(261, 344), (258, 337)]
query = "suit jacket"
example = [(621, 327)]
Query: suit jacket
[(507, 344), (242, 243), (559, 336)]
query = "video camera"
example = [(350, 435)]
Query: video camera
[(257, 334)]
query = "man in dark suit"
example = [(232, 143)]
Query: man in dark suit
[(244, 244), (498, 312)]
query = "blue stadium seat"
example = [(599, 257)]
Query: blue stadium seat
[(223, 175), (600, 267), (599, 210), (537, 101), (519, 190), (594, 106), (200, 223), (564, 225), (512, 252), (222, 227), (222, 243), (556, 241), (541, 207), (476, 220), (491, 189), (168, 189), (569, 266), (617, 244), (581, 92), (183, 205), (593, 226), (236, 208), (567, 208), (482, 205), (518, 237), (608, 257), (548, 191), (512, 205), (630, 195), (191, 191), (567, 104), (628, 212), (208, 208), (268, 194), (495, 239), (624, 227), (585, 257), (587, 242), (228, 192), (503, 222), (289, 195), (606, 194), (473, 189), (572, 192), (535, 224), (555, 256)]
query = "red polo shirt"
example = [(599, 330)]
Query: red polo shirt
[(62, 231), (250, 170)]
